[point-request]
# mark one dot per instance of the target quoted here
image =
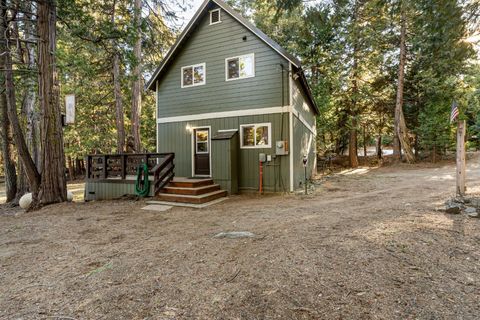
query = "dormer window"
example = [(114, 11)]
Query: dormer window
[(215, 16)]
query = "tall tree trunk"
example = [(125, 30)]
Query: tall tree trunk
[(353, 143), (22, 184), (379, 147), (117, 91), (12, 116), (6, 135), (6, 139), (364, 140), (137, 81), (53, 184), (400, 125), (32, 132), (397, 149)]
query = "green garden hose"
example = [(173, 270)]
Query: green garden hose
[(142, 184)]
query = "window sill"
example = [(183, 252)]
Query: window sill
[(233, 79)]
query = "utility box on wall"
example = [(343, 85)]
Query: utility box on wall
[(281, 148), (225, 152)]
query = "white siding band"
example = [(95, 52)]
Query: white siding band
[(225, 114)]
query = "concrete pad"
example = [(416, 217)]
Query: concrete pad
[(188, 205), (157, 207)]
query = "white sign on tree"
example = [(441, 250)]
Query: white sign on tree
[(70, 108)]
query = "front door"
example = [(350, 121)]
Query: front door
[(201, 149)]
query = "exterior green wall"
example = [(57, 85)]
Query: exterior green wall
[(304, 144), (304, 140), (175, 137), (299, 101), (212, 44)]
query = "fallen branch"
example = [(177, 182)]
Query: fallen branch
[(234, 276)]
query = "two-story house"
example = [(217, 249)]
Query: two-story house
[(224, 77)]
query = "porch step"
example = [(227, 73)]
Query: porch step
[(196, 199), (190, 183), (190, 191)]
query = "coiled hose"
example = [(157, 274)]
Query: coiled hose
[(142, 184)]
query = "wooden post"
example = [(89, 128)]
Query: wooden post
[(87, 167), (461, 163), (105, 172), (124, 166), (365, 140)]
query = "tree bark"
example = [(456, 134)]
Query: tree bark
[(400, 125), (137, 78), (117, 92), (32, 132), (6, 135), (6, 139), (379, 147), (22, 184), (365, 141), (397, 149), (12, 116), (353, 143), (53, 181)]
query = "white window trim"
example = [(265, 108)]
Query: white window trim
[(255, 126), (204, 65), (219, 16), (207, 142), (239, 57), (192, 134)]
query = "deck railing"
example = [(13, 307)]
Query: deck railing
[(119, 166)]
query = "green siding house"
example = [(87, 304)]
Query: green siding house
[(224, 75)]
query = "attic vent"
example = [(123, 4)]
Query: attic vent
[(215, 16)]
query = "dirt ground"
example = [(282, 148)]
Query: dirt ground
[(369, 244)]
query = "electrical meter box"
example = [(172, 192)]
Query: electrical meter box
[(281, 148)]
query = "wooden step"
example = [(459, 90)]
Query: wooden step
[(190, 183), (190, 191), (197, 199)]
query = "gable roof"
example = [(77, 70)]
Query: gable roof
[(275, 46)]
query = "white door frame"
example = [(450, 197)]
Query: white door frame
[(209, 150)]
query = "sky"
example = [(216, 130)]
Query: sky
[(192, 7)]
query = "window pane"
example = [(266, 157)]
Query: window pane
[(198, 74), (248, 136), (202, 147), (233, 69), (262, 136), (202, 135), (246, 66), (187, 76)]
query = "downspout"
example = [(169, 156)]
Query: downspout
[(282, 122)]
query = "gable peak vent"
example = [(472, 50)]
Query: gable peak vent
[(215, 16)]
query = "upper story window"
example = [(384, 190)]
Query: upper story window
[(240, 67), (256, 135), (215, 16), (194, 75)]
